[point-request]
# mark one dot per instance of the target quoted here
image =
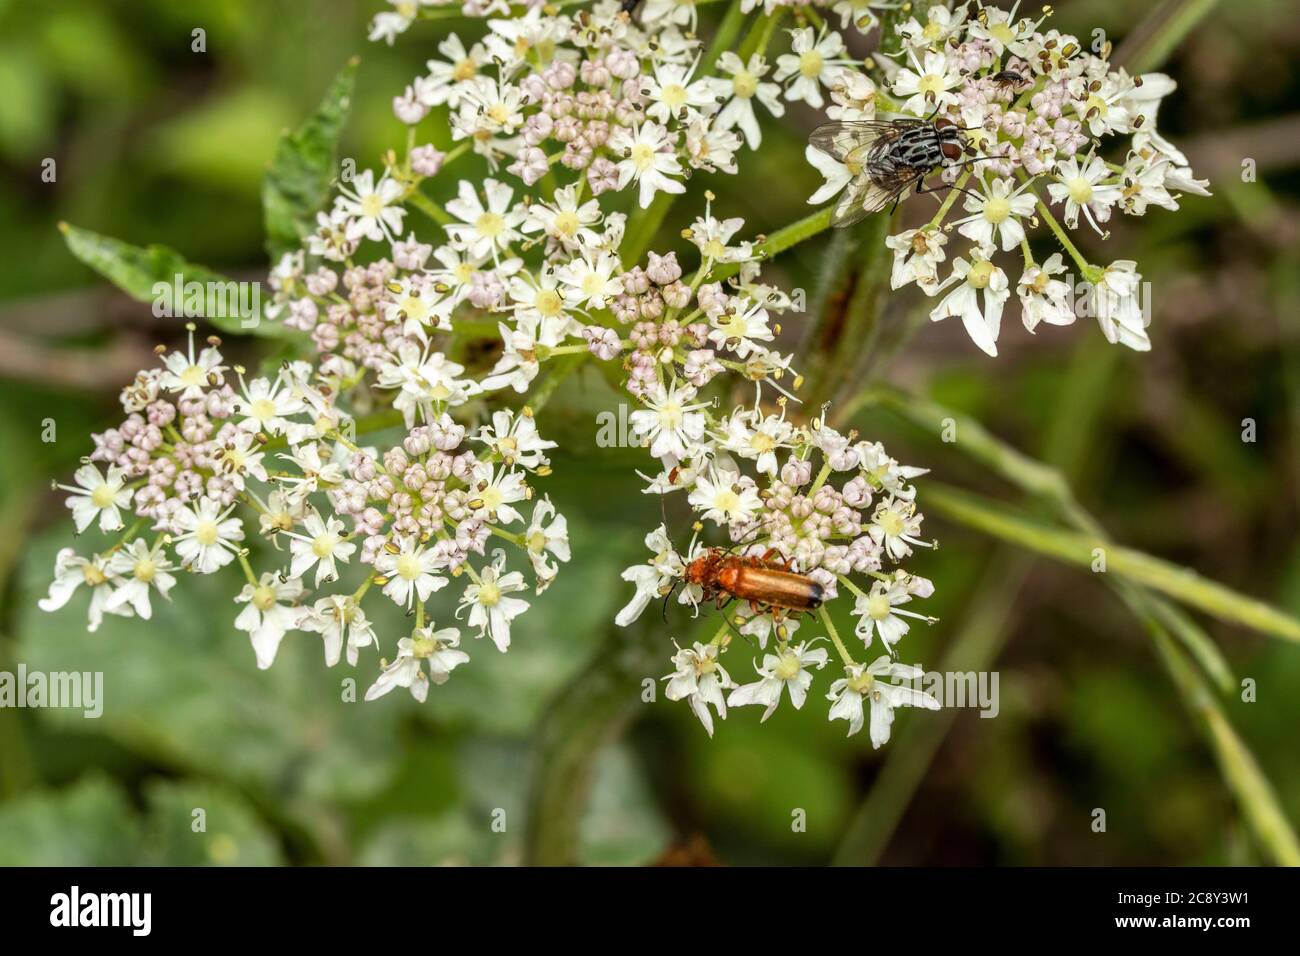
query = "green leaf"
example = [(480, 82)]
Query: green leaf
[(88, 824), (231, 834), (298, 182), (183, 690), (623, 826), (153, 274), (92, 823)]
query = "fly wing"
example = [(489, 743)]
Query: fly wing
[(841, 140), (873, 191)]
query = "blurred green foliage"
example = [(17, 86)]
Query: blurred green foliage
[(155, 143)]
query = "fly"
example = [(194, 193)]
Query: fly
[(887, 159), (1010, 81)]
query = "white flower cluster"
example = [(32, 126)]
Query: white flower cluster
[(444, 333), (567, 111), (1037, 108), (194, 450), (812, 502)]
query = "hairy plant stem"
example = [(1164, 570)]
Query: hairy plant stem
[(1085, 549), (591, 711), (1167, 624)]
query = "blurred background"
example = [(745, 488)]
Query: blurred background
[(155, 143)]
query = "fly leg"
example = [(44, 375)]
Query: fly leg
[(784, 562), (722, 605), (922, 188)]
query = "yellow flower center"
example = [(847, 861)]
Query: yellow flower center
[(810, 63), (674, 96), (727, 501), (489, 225), (549, 303), (878, 607), (931, 84), (489, 594), (997, 209), (263, 409), (1080, 190), (323, 544), (464, 70), (862, 683), (413, 307), (193, 375), (537, 541), (372, 206), (205, 533), (264, 598), (408, 567), (891, 522), (643, 157), (736, 327), (788, 667), (144, 570), (102, 496), (744, 85), (235, 457), (566, 223), (94, 577), (980, 274)]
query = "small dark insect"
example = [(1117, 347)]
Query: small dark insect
[(629, 6), (887, 158), (1010, 80), (765, 582)]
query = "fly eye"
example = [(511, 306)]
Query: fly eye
[(951, 151), (943, 123)]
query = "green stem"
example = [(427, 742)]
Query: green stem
[(1084, 549), (843, 651), (777, 242), (1252, 789), (1084, 266), (641, 229), (1156, 37), (585, 715), (985, 628), (427, 206), (948, 200), (760, 35), (732, 22)]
